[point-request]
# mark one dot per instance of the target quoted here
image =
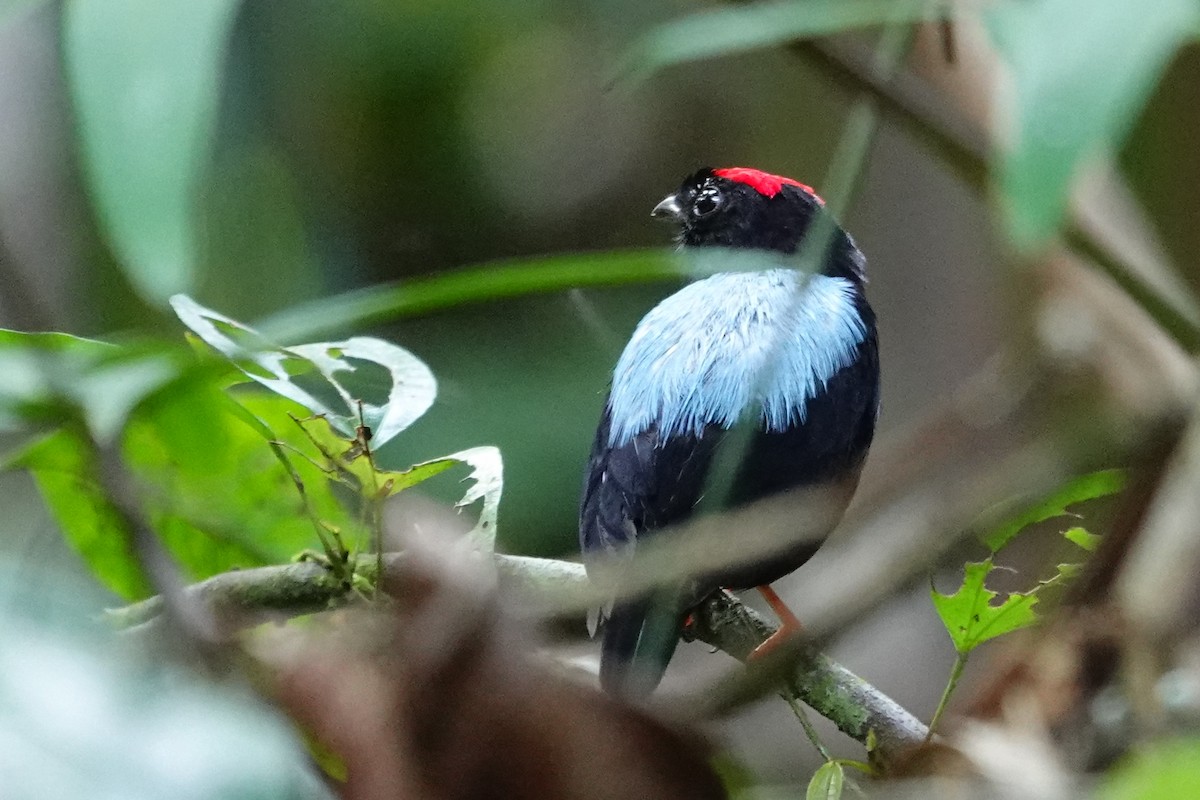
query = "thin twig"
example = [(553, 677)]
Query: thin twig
[(960, 662)]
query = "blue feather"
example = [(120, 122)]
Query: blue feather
[(734, 341)]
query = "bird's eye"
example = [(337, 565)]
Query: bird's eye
[(706, 203)]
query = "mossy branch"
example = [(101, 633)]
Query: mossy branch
[(856, 707)]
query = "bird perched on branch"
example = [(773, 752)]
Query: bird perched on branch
[(792, 354)]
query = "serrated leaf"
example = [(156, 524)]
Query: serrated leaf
[(1071, 98), (827, 782), (1086, 487), (333, 379), (487, 483), (972, 617), (144, 77), (1081, 537)]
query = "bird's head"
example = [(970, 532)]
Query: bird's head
[(742, 207)]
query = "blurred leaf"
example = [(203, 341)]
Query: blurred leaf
[(1163, 770), (1081, 72), (51, 378), (508, 279), (1086, 487), (827, 782), (343, 458), (213, 488), (144, 77), (11, 10), (734, 30), (970, 616), (82, 717), (389, 403), (64, 468), (1081, 537), (493, 281)]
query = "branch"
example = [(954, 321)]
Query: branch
[(246, 596), (858, 709)]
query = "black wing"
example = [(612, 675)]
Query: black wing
[(629, 492), (641, 486)]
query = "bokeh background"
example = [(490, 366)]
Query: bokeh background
[(375, 141)]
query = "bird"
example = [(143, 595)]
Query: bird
[(791, 354)]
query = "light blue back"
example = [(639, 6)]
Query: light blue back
[(733, 341)]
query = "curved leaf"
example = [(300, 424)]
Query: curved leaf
[(344, 385), (144, 78), (734, 30), (1081, 72), (827, 782)]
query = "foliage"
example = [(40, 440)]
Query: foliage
[(827, 782), (230, 479), (197, 146), (145, 78), (971, 614)]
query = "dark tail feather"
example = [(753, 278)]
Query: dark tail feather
[(640, 637)]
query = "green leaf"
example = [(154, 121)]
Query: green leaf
[(335, 379), (64, 469), (827, 782), (734, 30), (970, 615), (1081, 71), (492, 281), (144, 77), (1080, 536), (1086, 487), (53, 377), (213, 488), (506, 279)]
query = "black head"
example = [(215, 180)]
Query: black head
[(740, 207)]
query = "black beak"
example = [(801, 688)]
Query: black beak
[(668, 209)]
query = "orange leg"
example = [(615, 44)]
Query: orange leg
[(789, 625)]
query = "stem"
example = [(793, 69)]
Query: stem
[(806, 723), (960, 661)]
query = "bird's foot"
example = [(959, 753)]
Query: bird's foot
[(790, 626)]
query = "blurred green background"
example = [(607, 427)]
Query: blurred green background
[(376, 141), (350, 144)]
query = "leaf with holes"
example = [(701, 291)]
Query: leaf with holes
[(972, 617), (1086, 487), (487, 476), (390, 385)]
